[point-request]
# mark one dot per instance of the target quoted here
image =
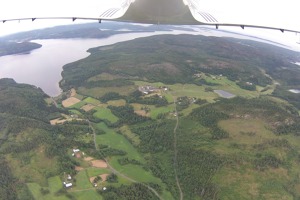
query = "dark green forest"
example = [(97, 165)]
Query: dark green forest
[(24, 113), (9, 48), (246, 147), (165, 60)]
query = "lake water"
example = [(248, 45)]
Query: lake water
[(295, 91), (42, 67)]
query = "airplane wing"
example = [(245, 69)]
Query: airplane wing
[(175, 12)]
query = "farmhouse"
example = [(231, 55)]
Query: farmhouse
[(147, 89), (76, 150), (68, 185), (165, 88), (198, 75)]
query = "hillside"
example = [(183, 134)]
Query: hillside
[(174, 59), (9, 48), (200, 145), (164, 117), (87, 30), (31, 149)]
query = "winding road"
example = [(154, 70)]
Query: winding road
[(175, 152), (119, 173)]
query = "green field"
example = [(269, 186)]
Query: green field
[(54, 185), (155, 111), (230, 86), (92, 101), (76, 112), (135, 140), (245, 183), (168, 96), (120, 102), (135, 172), (80, 97), (257, 126), (78, 105), (104, 76), (35, 169), (82, 181), (96, 171), (242, 181), (117, 141), (86, 195), (100, 91), (192, 90), (188, 110), (105, 113), (179, 90)]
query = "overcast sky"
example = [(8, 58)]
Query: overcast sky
[(279, 13)]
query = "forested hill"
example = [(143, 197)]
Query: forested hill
[(23, 100), (174, 59), (9, 48), (151, 113), (88, 30), (31, 150), (23, 115)]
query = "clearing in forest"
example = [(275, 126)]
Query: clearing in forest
[(77, 168), (103, 177), (70, 102), (87, 107), (99, 163), (141, 113), (88, 158), (57, 121), (73, 92)]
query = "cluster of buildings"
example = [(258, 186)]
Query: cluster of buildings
[(151, 89), (76, 153), (67, 183), (148, 89)]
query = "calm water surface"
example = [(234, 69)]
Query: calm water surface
[(42, 67)]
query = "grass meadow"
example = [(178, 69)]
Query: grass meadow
[(78, 105), (100, 91), (92, 101), (105, 113), (243, 181), (117, 141)]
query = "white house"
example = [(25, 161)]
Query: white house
[(76, 150), (68, 185)]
